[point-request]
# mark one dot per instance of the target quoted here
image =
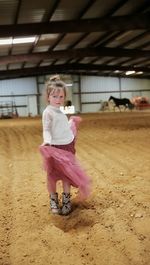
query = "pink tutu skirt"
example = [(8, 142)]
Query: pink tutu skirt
[(61, 164)]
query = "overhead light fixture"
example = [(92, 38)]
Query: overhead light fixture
[(130, 72), (139, 73), (23, 40), (10, 41), (6, 41)]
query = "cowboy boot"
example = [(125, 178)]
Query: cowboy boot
[(54, 204), (66, 204)]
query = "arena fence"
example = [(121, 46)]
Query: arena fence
[(8, 110)]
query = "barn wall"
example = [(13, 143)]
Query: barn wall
[(96, 89), (135, 87), (22, 92), (85, 94)]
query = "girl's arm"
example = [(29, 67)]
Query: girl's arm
[(46, 121), (74, 122)]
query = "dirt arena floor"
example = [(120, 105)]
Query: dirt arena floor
[(111, 228)]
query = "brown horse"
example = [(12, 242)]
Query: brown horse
[(122, 102)]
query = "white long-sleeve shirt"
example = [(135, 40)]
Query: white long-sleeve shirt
[(56, 127)]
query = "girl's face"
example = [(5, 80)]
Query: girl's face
[(57, 98)]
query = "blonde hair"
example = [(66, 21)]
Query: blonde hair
[(54, 84), (55, 78)]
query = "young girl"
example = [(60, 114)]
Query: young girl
[(58, 149)]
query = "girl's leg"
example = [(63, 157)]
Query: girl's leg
[(66, 204), (51, 186), (66, 187)]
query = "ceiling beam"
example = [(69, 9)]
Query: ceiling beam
[(74, 53), (76, 68), (115, 23)]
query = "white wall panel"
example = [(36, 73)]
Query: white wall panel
[(41, 98), (126, 95), (99, 84), (18, 86), (90, 97), (76, 103), (32, 105), (96, 89), (90, 108), (135, 84), (18, 91)]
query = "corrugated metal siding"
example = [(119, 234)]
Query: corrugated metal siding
[(90, 108), (19, 91), (135, 84), (8, 10), (75, 89), (41, 98), (99, 84), (68, 9), (34, 10), (95, 89), (18, 86)]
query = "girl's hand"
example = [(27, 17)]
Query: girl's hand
[(45, 144)]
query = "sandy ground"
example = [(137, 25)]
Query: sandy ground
[(111, 228)]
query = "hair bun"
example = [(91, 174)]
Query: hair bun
[(55, 78)]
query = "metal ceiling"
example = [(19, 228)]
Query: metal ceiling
[(92, 37)]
